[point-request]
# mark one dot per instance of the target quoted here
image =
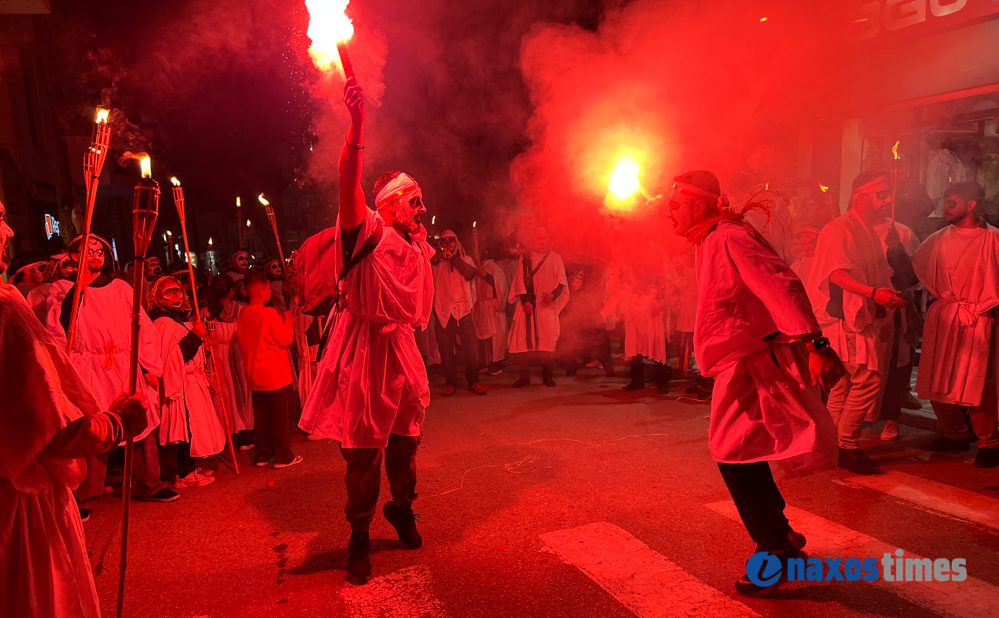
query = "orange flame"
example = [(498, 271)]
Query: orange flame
[(239, 203), (175, 181), (823, 188), (146, 164), (894, 150), (328, 25), (624, 180), (263, 200), (102, 115)]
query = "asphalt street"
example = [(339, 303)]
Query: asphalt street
[(577, 500)]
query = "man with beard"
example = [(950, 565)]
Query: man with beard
[(49, 422), (755, 333), (188, 418), (239, 267), (371, 392), (100, 354)]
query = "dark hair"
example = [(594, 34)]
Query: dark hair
[(384, 180), (865, 177), (218, 290), (257, 277), (969, 190)]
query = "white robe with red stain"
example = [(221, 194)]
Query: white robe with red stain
[(959, 267), (538, 333), (187, 411), (371, 380), (864, 335), (44, 569), (489, 315), (100, 351), (764, 407)]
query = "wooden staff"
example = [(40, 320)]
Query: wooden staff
[(273, 220), (93, 163), (145, 209), (178, 200)]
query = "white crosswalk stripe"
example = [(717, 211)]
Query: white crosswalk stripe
[(827, 539), (403, 594), (939, 498), (639, 577)]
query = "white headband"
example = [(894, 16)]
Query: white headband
[(401, 184)]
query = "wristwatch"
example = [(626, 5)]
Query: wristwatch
[(818, 344)]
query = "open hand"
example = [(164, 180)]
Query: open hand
[(889, 298)]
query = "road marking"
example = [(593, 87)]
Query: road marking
[(401, 594), (937, 497), (639, 577), (827, 539)]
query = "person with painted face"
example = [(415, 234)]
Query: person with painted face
[(851, 288), (275, 274), (756, 335), (101, 355), (239, 267), (189, 423), (959, 267), (28, 277), (454, 299), (50, 422), (372, 392), (60, 266), (152, 271)]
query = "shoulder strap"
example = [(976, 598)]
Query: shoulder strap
[(366, 249)]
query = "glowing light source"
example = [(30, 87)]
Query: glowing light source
[(238, 202), (210, 242), (249, 223), (175, 181), (624, 182), (263, 200), (823, 188), (328, 26), (102, 115), (146, 164), (764, 20), (894, 150)]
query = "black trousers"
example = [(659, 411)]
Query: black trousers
[(272, 425), (661, 372), (545, 359), (447, 336), (364, 475), (759, 502)]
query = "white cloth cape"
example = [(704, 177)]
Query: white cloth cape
[(547, 278), (489, 315), (228, 364)]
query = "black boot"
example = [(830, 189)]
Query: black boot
[(404, 522), (359, 558)]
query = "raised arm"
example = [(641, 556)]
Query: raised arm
[(352, 206)]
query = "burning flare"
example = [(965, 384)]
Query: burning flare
[(146, 165), (328, 25), (263, 200), (624, 182)]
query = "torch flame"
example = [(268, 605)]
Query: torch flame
[(624, 180), (894, 150), (474, 224), (102, 115), (146, 164), (249, 223), (238, 202), (263, 200), (175, 181), (823, 188), (328, 25)]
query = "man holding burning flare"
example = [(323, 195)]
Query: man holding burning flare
[(371, 391), (755, 333)]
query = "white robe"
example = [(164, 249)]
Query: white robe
[(306, 357), (44, 568), (371, 380), (100, 351), (489, 315), (864, 335), (187, 412), (547, 278), (454, 295), (228, 364), (764, 407), (959, 267)]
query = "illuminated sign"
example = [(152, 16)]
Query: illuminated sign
[(873, 18), (51, 226)]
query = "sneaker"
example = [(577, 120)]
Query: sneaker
[(746, 587), (987, 457), (857, 461), (294, 462), (404, 522), (478, 389), (495, 372), (943, 444), (548, 381), (633, 386), (164, 496), (242, 448), (193, 480), (890, 433), (448, 390), (84, 514), (263, 463), (521, 382), (359, 558), (910, 402)]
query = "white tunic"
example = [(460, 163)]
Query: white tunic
[(863, 335), (454, 295), (540, 332), (959, 267), (371, 380), (187, 412), (44, 569), (489, 315), (228, 364)]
